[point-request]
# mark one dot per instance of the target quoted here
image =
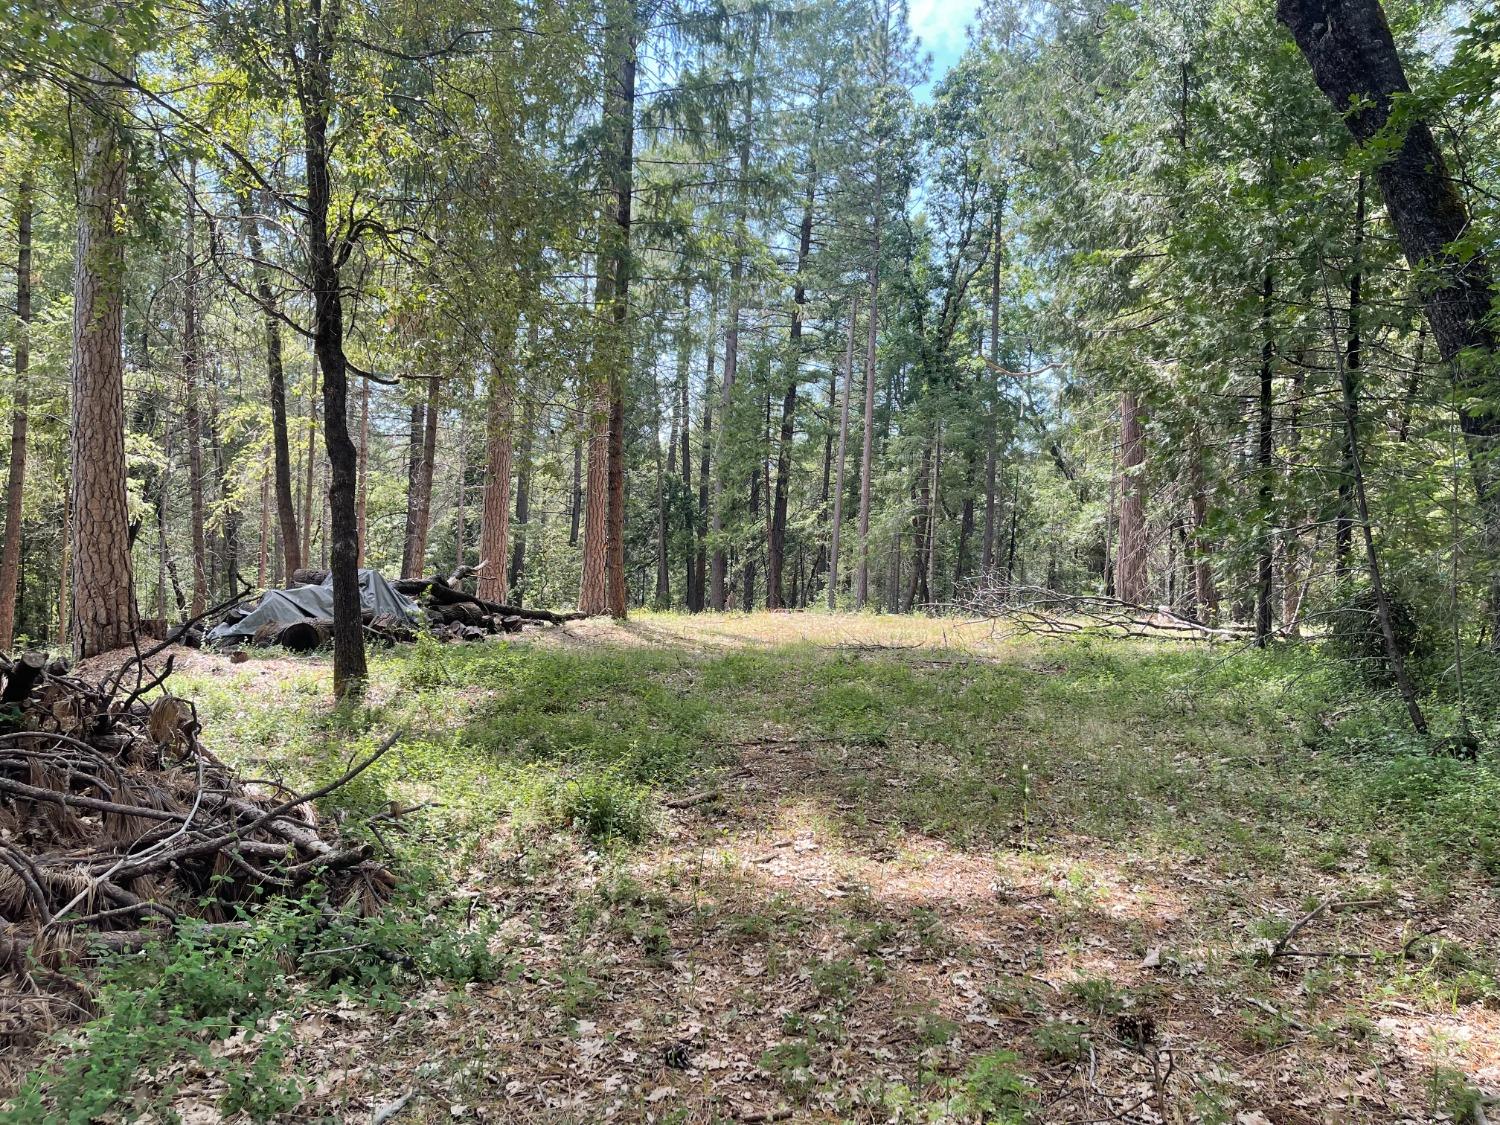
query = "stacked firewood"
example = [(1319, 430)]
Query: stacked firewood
[(115, 822)]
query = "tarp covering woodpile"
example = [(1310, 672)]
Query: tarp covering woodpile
[(314, 603)]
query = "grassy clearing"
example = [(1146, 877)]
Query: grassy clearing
[(843, 869)]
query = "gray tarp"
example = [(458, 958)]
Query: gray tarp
[(306, 603)]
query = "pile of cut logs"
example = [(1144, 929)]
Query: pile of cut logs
[(115, 822)]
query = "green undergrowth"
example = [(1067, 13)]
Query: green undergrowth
[(1276, 761), (1245, 759), (198, 1005)]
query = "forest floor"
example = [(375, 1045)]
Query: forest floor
[(834, 868)]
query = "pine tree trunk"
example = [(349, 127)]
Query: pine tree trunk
[(429, 469), (776, 541), (192, 358), (494, 531), (1205, 593), (315, 93), (862, 579), (838, 488), (1130, 569), (1343, 535), (717, 593), (411, 560), (15, 484), (103, 608), (683, 397), (309, 468), (662, 598), (1264, 566), (992, 427), (286, 511), (705, 454)]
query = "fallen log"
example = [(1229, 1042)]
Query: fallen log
[(442, 593)]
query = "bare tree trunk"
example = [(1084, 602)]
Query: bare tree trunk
[(309, 468), (1291, 536), (705, 454), (494, 532), (411, 562), (732, 331), (315, 96), (862, 578), (623, 43), (1264, 566), (682, 397), (1343, 538), (1204, 591), (429, 469), (992, 427), (286, 511), (103, 608), (662, 598), (1130, 569), (15, 484), (460, 517), (838, 488), (776, 542), (934, 505)]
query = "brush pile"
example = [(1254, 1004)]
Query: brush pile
[(115, 822), (451, 613)]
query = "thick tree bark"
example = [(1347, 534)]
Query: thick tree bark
[(315, 97), (15, 484), (862, 578), (838, 488), (103, 608), (494, 531), (1353, 58), (286, 511), (1130, 569)]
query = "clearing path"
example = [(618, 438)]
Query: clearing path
[(814, 868)]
